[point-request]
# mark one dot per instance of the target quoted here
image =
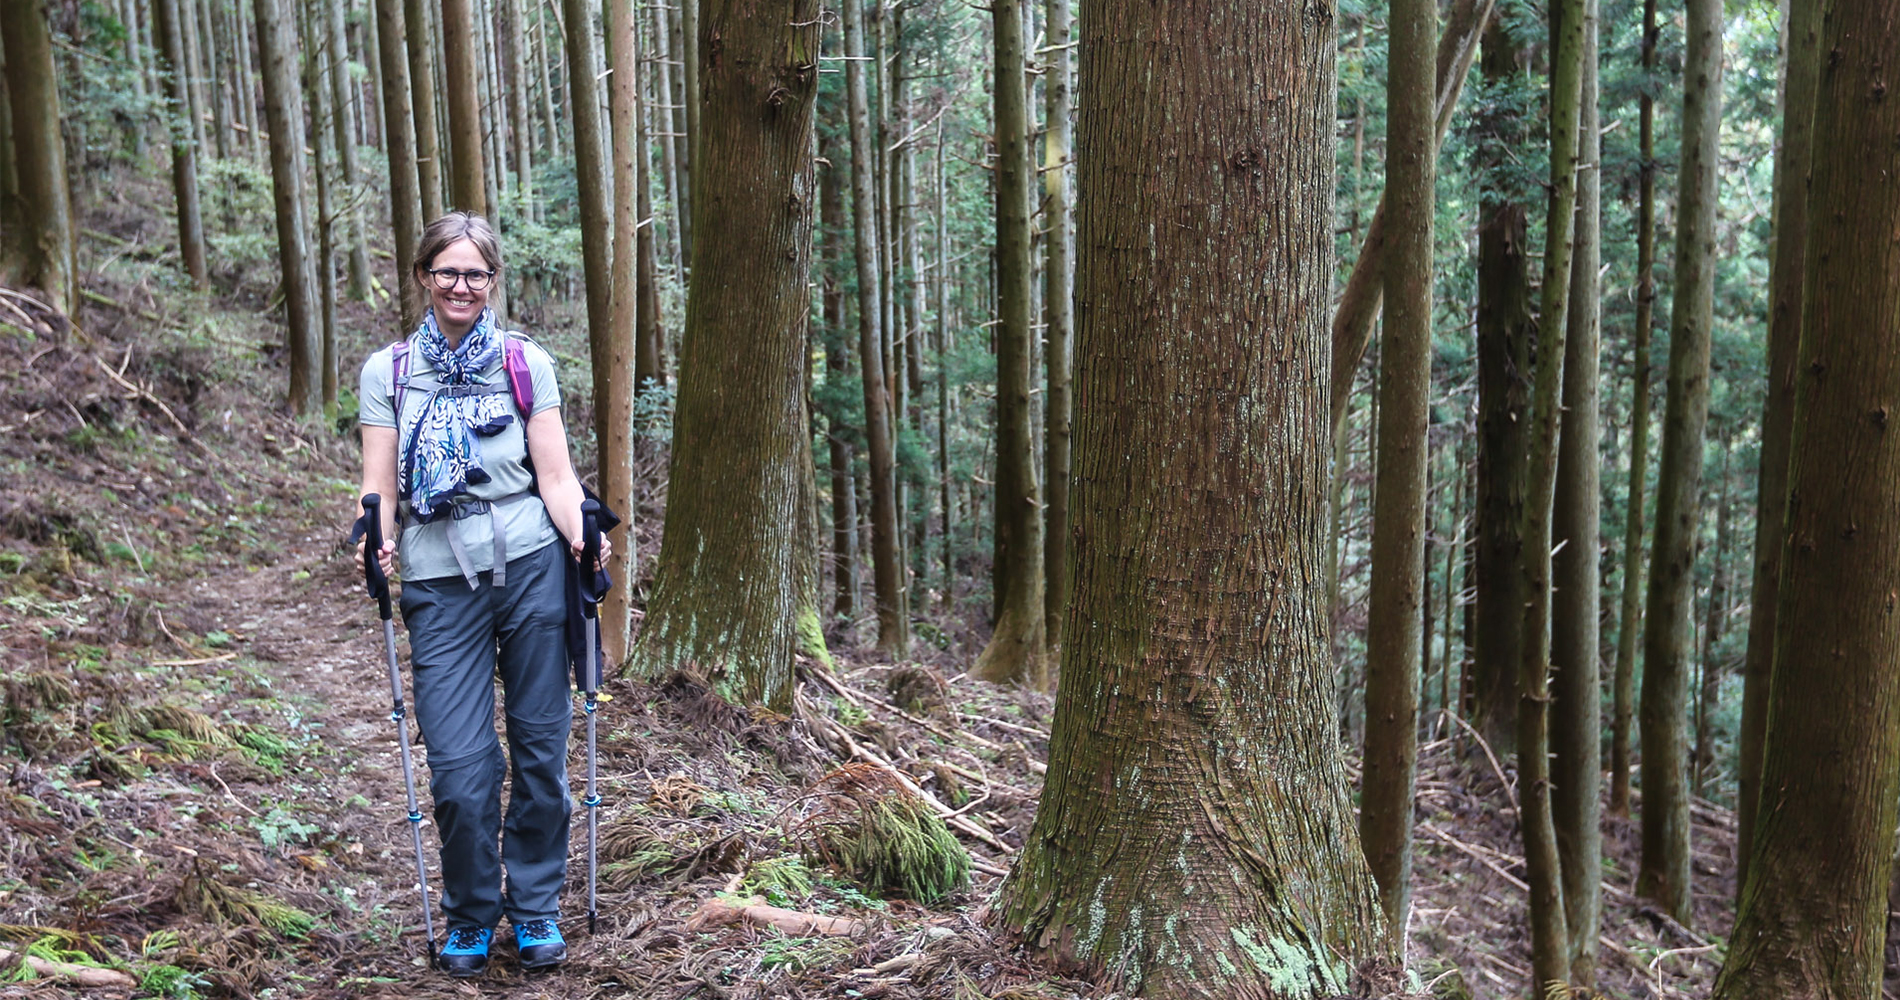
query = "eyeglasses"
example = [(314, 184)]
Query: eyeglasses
[(446, 277)]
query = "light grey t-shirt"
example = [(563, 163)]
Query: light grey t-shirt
[(425, 549)]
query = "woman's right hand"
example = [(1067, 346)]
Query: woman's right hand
[(386, 557)]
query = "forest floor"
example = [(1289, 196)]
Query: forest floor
[(201, 788)]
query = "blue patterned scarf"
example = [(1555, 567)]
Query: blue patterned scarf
[(441, 457)]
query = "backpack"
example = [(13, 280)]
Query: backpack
[(514, 364)]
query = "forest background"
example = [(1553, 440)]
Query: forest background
[(871, 431)]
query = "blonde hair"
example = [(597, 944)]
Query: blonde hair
[(457, 226)]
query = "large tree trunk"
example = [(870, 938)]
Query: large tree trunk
[(286, 161), (887, 567), (1814, 908), (1194, 838), (42, 254), (1058, 316), (1668, 644), (615, 356), (422, 82), (1777, 422), (1630, 610), (171, 61), (1543, 868), (468, 180), (1359, 302), (1506, 333), (400, 143), (1393, 650), (732, 591), (1576, 717), (1017, 651)]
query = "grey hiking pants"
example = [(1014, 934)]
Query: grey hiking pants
[(454, 637)]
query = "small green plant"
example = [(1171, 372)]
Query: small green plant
[(173, 982), (798, 954), (783, 881), (880, 833), (278, 828)]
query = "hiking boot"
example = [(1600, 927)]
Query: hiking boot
[(465, 955), (539, 944)]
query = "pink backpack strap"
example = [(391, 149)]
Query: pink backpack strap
[(514, 361)]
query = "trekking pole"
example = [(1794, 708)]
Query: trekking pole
[(590, 687), (378, 584)]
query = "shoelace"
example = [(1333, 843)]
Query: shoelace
[(535, 930), (465, 938)]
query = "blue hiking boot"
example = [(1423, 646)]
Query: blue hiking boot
[(465, 955), (539, 944)]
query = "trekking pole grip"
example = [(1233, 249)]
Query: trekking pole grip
[(590, 536), (373, 576)]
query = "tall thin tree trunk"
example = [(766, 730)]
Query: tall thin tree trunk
[(1058, 316), (733, 586), (286, 155), (422, 98), (1359, 302), (1169, 858), (348, 223), (192, 63), (1398, 520), (1629, 619), (893, 625), (844, 507), (215, 80), (1802, 30), (689, 146), (405, 202), (1576, 716), (1016, 651), (314, 25), (614, 355), (1667, 642), (1702, 758), (468, 184), (1814, 908), (171, 64), (1506, 333), (514, 52)]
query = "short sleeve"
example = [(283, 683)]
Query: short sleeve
[(375, 405), (547, 391)]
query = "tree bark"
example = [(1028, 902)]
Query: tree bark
[(314, 26), (731, 594), (468, 183), (1359, 302), (349, 227), (844, 495), (615, 355), (422, 84), (219, 102), (1543, 868), (1702, 757), (1058, 316), (286, 158), (1792, 156), (689, 146), (893, 623), (1016, 652), (1667, 642), (1506, 334), (514, 53), (1630, 621), (1576, 716), (400, 143), (1395, 618), (43, 251), (1194, 838), (171, 63), (1814, 907)]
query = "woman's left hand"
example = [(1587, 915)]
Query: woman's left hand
[(606, 550)]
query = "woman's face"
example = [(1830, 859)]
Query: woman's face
[(456, 307)]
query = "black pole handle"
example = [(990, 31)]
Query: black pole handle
[(590, 536), (373, 576)]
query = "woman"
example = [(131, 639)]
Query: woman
[(484, 489)]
